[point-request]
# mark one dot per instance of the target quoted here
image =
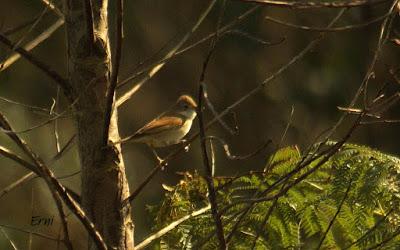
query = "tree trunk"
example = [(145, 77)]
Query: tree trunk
[(104, 185)]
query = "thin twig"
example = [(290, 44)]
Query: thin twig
[(41, 124), (237, 157), (380, 121), (32, 44), (32, 27), (212, 159), (15, 184), (252, 37), (55, 109), (317, 4), (53, 7), (21, 26), (382, 38), (267, 168), (210, 182), (333, 29), (265, 221), (212, 233), (365, 80), (58, 116), (57, 198), (169, 53), (250, 206), (65, 85), (11, 155), (339, 208), (35, 109), (63, 218), (242, 213), (170, 227), (175, 52), (233, 131)]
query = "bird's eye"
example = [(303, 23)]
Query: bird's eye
[(186, 106)]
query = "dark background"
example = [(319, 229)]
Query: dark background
[(325, 78)]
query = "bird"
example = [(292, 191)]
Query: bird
[(167, 129)]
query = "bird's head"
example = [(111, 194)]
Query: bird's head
[(186, 106)]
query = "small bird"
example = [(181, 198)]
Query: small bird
[(169, 128)]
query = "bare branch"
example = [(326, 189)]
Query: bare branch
[(170, 227), (209, 179), (114, 75), (317, 4)]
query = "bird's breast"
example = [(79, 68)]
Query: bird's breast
[(170, 137)]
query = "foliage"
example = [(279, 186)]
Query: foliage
[(357, 184)]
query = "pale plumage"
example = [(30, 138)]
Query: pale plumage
[(169, 128)]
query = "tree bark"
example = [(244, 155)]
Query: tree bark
[(103, 185)]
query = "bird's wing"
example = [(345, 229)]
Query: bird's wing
[(159, 125)]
